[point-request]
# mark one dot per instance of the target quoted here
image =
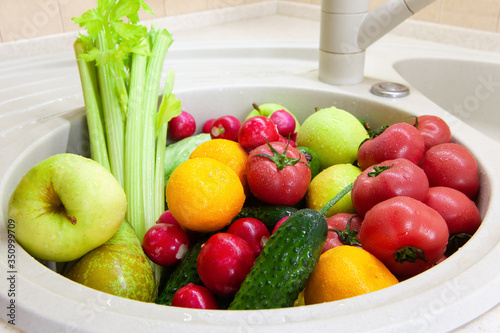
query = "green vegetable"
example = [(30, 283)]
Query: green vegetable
[(178, 152), (120, 64), (313, 160), (186, 272), (269, 215), (287, 260), (282, 269)]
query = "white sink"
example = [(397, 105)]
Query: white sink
[(42, 114), (468, 89)]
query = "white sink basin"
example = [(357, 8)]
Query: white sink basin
[(468, 89), (42, 114)]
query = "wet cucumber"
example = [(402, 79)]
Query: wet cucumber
[(269, 215), (282, 269), (183, 274)]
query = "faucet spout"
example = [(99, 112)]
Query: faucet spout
[(348, 29)]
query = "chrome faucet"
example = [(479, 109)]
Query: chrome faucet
[(348, 28)]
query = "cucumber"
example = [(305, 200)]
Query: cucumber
[(269, 215), (282, 269), (183, 274)]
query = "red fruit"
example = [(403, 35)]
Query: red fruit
[(224, 262), (181, 127), (225, 127), (252, 231), (284, 121), (405, 234), (460, 213), (339, 233), (386, 180), (165, 244), (255, 131), (195, 297), (452, 165), (434, 130), (400, 140)]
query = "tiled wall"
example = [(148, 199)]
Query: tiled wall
[(23, 19)]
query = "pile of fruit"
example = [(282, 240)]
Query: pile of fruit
[(264, 213), (259, 231), (255, 213)]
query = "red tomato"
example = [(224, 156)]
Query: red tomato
[(386, 180), (343, 229), (460, 213), (452, 165), (434, 130), (405, 234), (275, 176), (400, 140)]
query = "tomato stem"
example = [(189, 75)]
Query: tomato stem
[(281, 160), (455, 242), (416, 122), (410, 254), (348, 236), (374, 133), (378, 170)]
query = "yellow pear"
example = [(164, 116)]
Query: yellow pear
[(118, 267)]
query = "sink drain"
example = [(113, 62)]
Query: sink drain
[(390, 90)]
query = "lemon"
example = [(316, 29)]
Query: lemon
[(346, 271), (327, 184)]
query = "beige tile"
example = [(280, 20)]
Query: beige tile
[(254, 1), (478, 14), (175, 7), (431, 13), (498, 22), (217, 4), (22, 19), (316, 2)]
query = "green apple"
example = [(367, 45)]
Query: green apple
[(268, 109), (65, 206), (333, 134)]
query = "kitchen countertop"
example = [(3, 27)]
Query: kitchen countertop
[(283, 21)]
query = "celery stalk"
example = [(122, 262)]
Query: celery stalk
[(133, 151), (92, 99), (113, 114), (161, 42)]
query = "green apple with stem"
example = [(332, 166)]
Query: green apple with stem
[(267, 109), (333, 134), (66, 206)]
